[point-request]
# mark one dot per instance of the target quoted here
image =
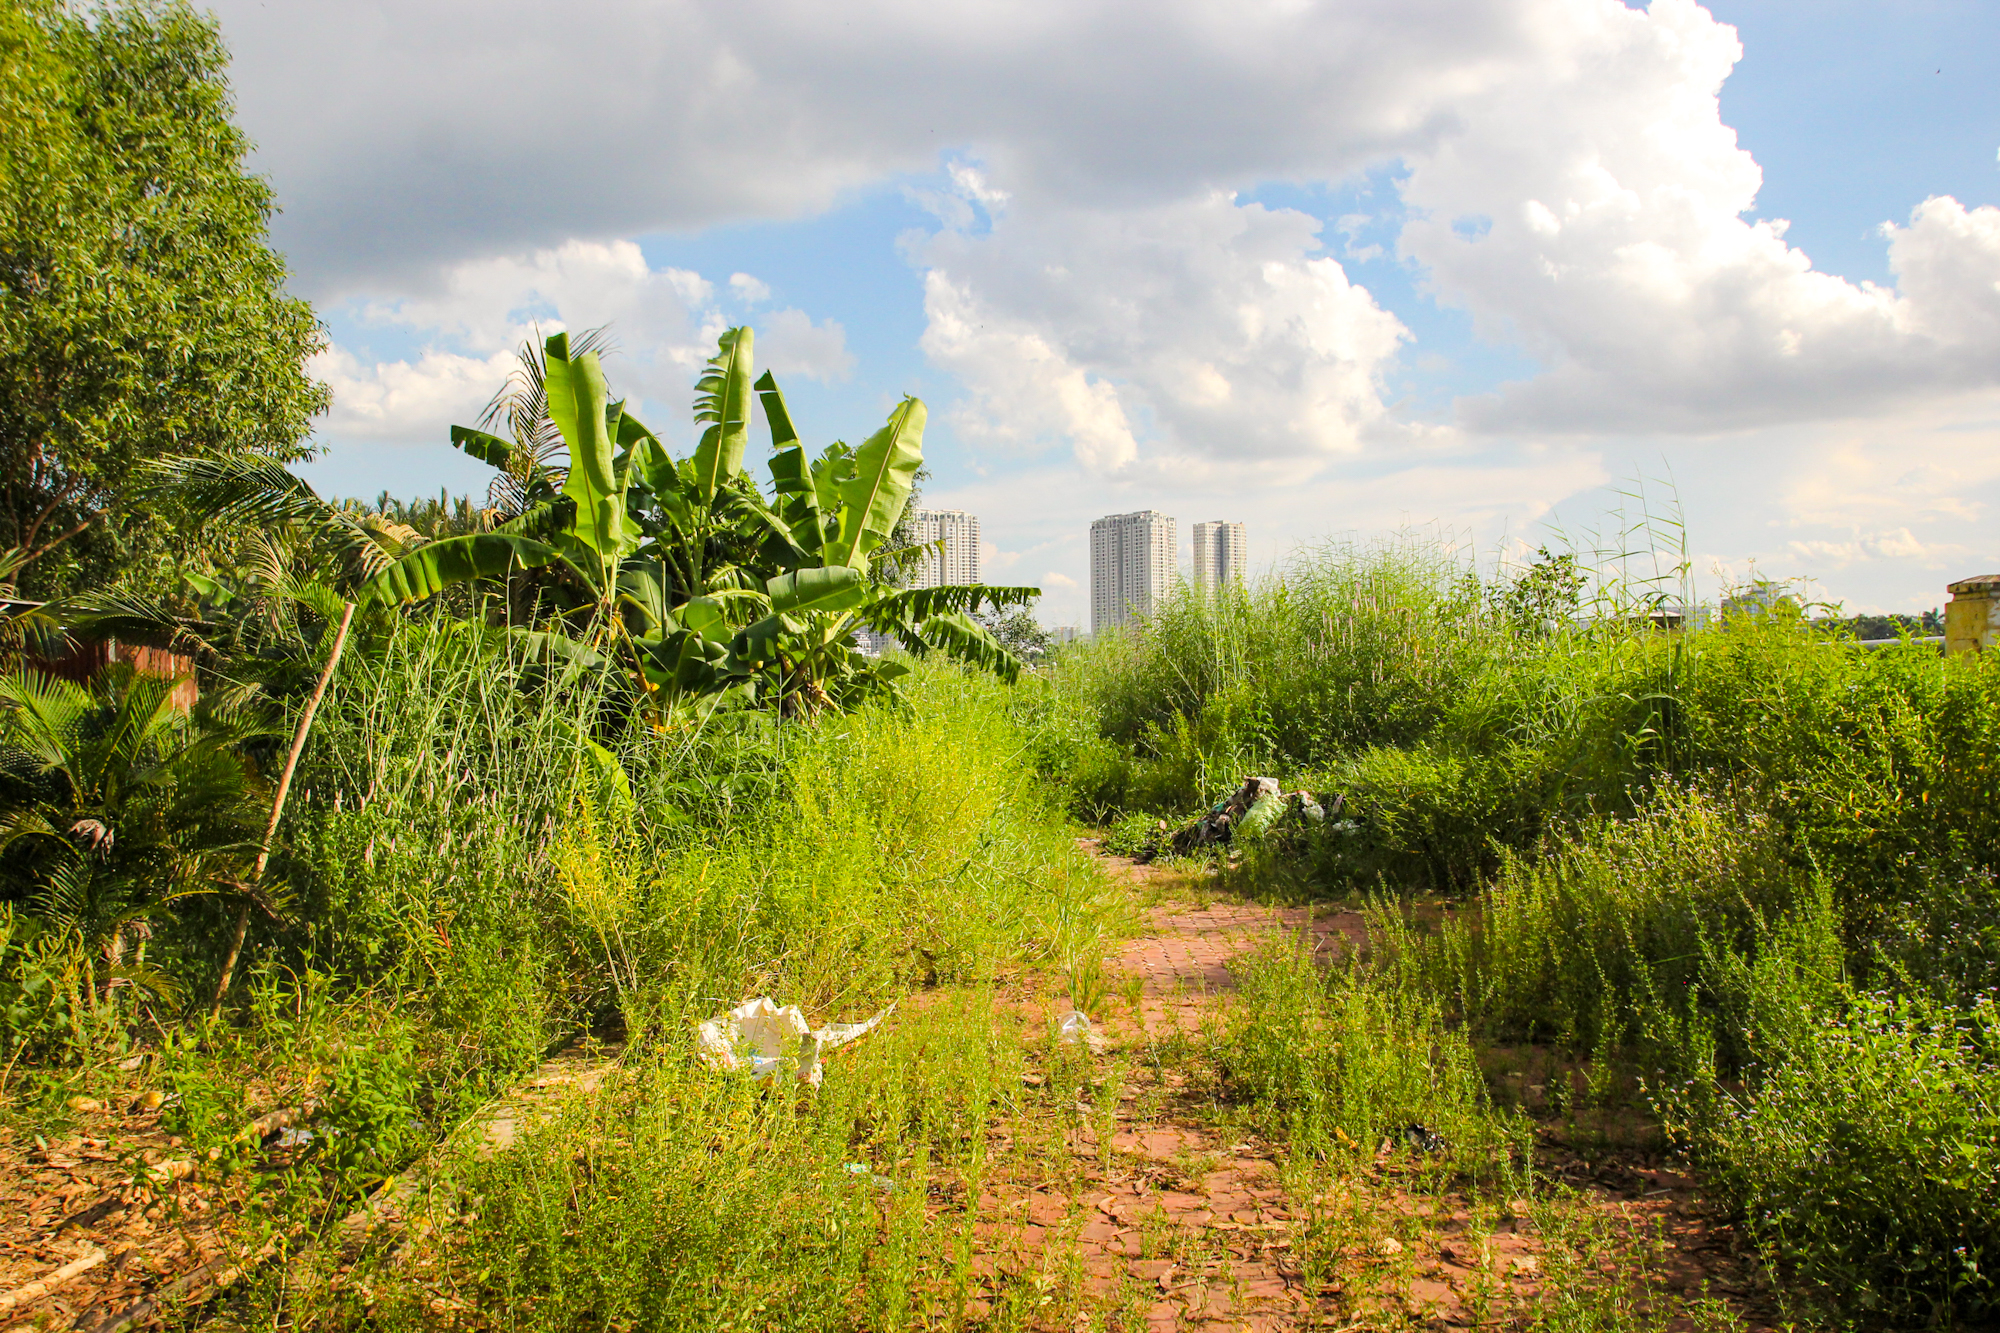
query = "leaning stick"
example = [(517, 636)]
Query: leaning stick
[(41, 1287), (278, 809)]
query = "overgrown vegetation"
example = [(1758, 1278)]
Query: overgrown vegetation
[(1737, 864), (599, 757)]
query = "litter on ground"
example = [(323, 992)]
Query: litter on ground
[(758, 1037), (1257, 810)]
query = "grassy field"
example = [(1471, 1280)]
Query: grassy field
[(1726, 890), (1741, 874)]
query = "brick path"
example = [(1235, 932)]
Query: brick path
[(1136, 1197), (1156, 1211), (1186, 958)]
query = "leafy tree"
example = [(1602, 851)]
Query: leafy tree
[(1885, 626), (141, 312), (1017, 631), (1546, 594)]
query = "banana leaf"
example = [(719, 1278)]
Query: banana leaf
[(963, 639), (838, 588), (723, 400), (432, 568), (885, 469), (578, 405)]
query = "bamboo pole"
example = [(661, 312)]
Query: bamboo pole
[(278, 809)]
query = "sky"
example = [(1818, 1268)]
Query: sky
[(1484, 269)]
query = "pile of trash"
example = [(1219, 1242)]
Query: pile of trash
[(1258, 809)]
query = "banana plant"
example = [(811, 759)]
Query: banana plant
[(584, 528), (683, 568)]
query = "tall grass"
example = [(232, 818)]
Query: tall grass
[(1338, 1064), (1394, 675), (476, 874), (678, 1198), (1745, 861)]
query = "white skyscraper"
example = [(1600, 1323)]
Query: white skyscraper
[(1132, 559), (958, 562), (1219, 555)]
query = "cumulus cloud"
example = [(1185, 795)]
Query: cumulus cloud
[(1570, 179), (663, 323), (410, 399), (1894, 544), (1211, 327), (403, 134), (1595, 211)]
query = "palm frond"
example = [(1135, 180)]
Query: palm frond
[(896, 611), (258, 495), (44, 716), (534, 470), (108, 613)]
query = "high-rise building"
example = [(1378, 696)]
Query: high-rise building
[(1132, 559), (958, 561), (1219, 555)]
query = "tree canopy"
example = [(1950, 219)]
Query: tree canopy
[(142, 313)]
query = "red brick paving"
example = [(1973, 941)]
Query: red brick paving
[(1199, 1234), (1185, 958)]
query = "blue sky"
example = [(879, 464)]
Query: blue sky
[(1346, 268)]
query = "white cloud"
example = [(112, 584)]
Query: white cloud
[(1895, 544), (1203, 333), (1574, 186), (663, 325), (1594, 210), (405, 400), (404, 134), (1947, 263), (789, 343)]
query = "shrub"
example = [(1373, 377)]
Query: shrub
[(1869, 1153)]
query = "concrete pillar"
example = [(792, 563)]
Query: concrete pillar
[(1972, 616)]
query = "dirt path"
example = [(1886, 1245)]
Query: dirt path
[(1119, 1191), (1145, 1204)]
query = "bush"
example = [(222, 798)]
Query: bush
[(1869, 1153), (1623, 923)]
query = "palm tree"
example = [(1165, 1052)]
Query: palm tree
[(116, 805)]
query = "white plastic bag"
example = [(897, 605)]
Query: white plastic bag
[(757, 1036), (1074, 1029)]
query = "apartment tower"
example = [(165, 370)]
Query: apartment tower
[(1219, 555), (958, 562), (1132, 559)]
